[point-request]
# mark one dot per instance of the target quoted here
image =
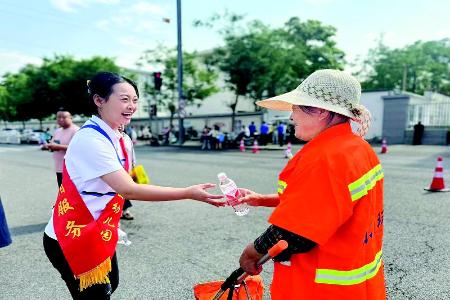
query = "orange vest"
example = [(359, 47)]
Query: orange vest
[(331, 192)]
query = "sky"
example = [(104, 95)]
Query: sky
[(123, 29)]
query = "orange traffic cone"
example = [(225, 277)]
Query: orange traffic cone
[(255, 148), (288, 151), (437, 185), (242, 146), (383, 146)]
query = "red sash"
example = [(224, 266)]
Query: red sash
[(88, 245)]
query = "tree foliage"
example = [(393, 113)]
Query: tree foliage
[(427, 67), (260, 61), (38, 91), (199, 80)]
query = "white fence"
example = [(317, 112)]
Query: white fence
[(429, 114)]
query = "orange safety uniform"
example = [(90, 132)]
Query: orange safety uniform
[(331, 192)]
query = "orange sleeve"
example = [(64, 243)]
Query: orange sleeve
[(314, 204)]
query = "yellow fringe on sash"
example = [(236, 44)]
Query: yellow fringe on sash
[(95, 276)]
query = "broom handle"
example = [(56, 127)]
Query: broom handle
[(239, 275), (274, 251)]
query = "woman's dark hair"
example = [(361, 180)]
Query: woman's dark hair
[(102, 83)]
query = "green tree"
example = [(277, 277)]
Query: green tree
[(5, 109), (199, 80), (38, 91), (260, 61), (425, 64)]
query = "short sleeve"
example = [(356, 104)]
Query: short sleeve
[(314, 204), (92, 156)]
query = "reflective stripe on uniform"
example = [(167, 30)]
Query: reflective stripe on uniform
[(350, 277), (281, 186), (360, 187)]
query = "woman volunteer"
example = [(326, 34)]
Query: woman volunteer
[(329, 205), (81, 237)]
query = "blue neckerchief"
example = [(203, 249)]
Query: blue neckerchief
[(99, 129)]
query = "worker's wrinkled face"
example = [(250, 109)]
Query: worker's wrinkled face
[(308, 122)]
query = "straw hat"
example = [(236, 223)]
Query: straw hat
[(332, 90)]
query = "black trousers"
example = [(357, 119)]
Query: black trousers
[(97, 291), (59, 178), (127, 204)]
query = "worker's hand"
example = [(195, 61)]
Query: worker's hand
[(248, 260), (250, 197), (44, 147), (198, 192)]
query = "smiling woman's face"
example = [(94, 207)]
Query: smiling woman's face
[(120, 107)]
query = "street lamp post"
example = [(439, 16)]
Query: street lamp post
[(181, 99)]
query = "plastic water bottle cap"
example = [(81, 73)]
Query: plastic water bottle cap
[(222, 176)]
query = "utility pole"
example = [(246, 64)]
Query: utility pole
[(181, 100), (405, 71)]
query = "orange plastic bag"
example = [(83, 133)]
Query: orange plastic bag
[(207, 291)]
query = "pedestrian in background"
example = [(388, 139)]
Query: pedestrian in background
[(252, 128), (60, 140), (128, 144), (281, 131), (418, 133), (329, 205), (81, 237), (133, 135), (274, 134), (205, 138), (264, 130)]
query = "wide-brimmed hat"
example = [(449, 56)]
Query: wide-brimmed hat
[(333, 90)]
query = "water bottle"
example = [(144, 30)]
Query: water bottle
[(123, 238), (232, 194)]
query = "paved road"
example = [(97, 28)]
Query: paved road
[(178, 244)]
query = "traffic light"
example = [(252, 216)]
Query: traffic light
[(157, 80)]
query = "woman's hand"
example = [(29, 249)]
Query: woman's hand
[(248, 260), (250, 197), (255, 199), (198, 192)]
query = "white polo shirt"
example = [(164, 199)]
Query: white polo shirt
[(89, 156)]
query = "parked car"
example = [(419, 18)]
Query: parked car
[(35, 136), (9, 136)]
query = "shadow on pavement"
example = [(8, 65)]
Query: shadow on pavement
[(27, 229)]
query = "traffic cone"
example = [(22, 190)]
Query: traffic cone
[(255, 148), (242, 146), (437, 184), (5, 237), (288, 151), (383, 146)]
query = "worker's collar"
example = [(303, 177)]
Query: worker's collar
[(331, 132)]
